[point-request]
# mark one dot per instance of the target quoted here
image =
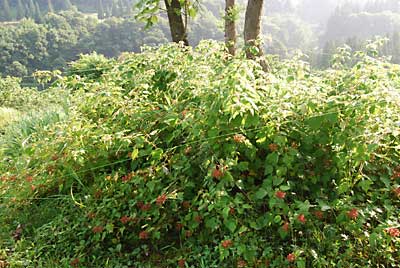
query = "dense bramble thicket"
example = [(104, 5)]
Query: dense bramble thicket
[(189, 158)]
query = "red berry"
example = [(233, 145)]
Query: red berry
[(161, 200), (302, 218), (139, 204), (97, 229), (127, 178), (181, 263), (273, 147), (319, 214), (125, 219), (241, 264), (280, 194), (188, 234), (353, 214), (231, 211), (178, 226), (239, 138), (227, 243), (397, 191), (186, 204), (393, 232), (285, 227), (98, 194), (184, 112), (143, 235), (217, 173), (74, 262), (198, 219), (291, 257), (396, 173), (146, 207)]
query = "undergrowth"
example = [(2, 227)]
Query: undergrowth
[(190, 158)]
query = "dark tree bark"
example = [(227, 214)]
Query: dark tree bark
[(230, 27), (252, 29), (176, 24)]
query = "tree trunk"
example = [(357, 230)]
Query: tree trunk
[(252, 29), (230, 27), (176, 25)]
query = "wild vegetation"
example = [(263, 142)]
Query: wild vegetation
[(192, 158), (198, 153)]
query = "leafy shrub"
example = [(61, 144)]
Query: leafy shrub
[(188, 158), (23, 99)]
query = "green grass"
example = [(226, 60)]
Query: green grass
[(19, 132), (7, 115)]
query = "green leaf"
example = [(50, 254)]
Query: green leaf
[(272, 159), (157, 154), (325, 208), (135, 153), (212, 223), (260, 194), (153, 19), (151, 185), (281, 171), (315, 122), (243, 166), (277, 181), (231, 225), (268, 170), (192, 12), (110, 227), (301, 263), (303, 206), (284, 187), (365, 185), (225, 212), (343, 187)]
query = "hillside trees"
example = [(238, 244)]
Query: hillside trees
[(29, 46), (355, 27)]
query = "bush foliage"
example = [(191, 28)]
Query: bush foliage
[(180, 157)]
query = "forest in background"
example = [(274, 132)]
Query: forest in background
[(32, 39)]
